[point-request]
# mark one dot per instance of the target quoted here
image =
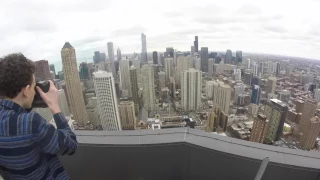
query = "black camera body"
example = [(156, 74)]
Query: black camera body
[(38, 101)]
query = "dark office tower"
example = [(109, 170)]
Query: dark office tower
[(196, 45), (278, 70), (217, 59), (161, 59), (51, 66), (256, 80), (276, 112), (155, 57), (169, 52), (213, 55), (255, 95), (204, 59), (238, 56), (103, 57), (119, 54), (84, 71), (96, 57), (42, 71), (228, 57), (247, 78)]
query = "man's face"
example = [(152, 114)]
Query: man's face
[(29, 93)]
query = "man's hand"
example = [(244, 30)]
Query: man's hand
[(50, 98)]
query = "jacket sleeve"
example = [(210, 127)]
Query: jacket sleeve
[(58, 141)]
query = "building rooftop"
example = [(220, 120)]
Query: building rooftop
[(67, 45), (183, 153)]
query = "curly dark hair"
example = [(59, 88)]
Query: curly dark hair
[(15, 73)]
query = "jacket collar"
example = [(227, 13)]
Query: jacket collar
[(11, 105)]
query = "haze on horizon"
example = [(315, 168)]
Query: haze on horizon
[(39, 28)]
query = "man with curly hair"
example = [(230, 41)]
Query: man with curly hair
[(29, 145)]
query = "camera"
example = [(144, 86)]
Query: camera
[(38, 101)]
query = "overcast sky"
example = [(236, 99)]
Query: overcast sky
[(39, 28)]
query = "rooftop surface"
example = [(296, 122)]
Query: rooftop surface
[(183, 153)]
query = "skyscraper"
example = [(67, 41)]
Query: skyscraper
[(111, 58), (144, 48), (278, 70), (209, 89), (124, 76), (247, 78), (191, 84), (237, 74), (259, 128), (63, 104), (210, 66), (197, 63), (119, 56), (192, 51), (255, 94), (42, 71), (275, 112), (155, 57), (182, 65), (255, 69), (196, 43), (84, 71), (103, 57), (309, 110), (309, 137), (149, 99), (217, 59), (93, 112), (212, 120), (238, 56), (73, 86), (238, 89), (96, 57), (162, 80), (222, 95), (134, 87), (169, 52), (127, 115), (168, 66), (204, 59), (107, 101), (228, 57), (271, 85), (52, 68)]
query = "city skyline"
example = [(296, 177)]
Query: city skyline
[(269, 32)]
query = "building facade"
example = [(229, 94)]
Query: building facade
[(73, 86), (309, 137), (204, 59), (111, 58), (222, 95), (134, 88), (124, 76), (276, 112), (127, 115), (42, 71), (259, 129), (191, 84), (271, 85), (107, 101), (149, 99)]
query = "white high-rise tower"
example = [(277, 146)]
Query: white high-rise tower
[(111, 58), (107, 100), (191, 89)]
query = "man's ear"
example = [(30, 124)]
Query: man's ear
[(25, 90)]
